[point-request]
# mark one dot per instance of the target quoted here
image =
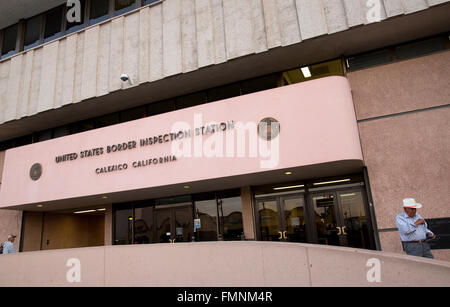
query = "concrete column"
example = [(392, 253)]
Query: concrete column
[(248, 219), (108, 225)]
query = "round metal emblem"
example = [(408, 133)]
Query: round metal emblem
[(36, 171), (269, 128)]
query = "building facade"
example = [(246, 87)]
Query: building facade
[(175, 121)]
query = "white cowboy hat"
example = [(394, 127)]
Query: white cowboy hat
[(411, 203)]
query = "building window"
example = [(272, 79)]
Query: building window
[(99, 11), (367, 60), (191, 100), (421, 48), (123, 6), (230, 212), (161, 107), (9, 41), (132, 114), (107, 120), (43, 136), (224, 92), (206, 212), (32, 32), (398, 53), (75, 26), (260, 84), (123, 226), (53, 24)]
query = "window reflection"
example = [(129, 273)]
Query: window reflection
[(53, 24), (206, 211), (230, 210), (9, 41), (143, 225), (123, 226), (32, 32), (123, 6), (99, 10)]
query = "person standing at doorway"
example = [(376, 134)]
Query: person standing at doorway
[(413, 230), (8, 246)]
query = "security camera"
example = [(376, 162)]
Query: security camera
[(124, 77)]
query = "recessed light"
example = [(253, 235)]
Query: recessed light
[(306, 72), (105, 197), (288, 173), (39, 206), (187, 187)]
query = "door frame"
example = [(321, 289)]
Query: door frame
[(307, 194), (172, 208), (278, 198)]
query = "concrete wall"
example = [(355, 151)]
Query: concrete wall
[(403, 120), (222, 264), (170, 38)]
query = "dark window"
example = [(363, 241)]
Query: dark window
[(22, 141), (206, 212), (420, 48), (9, 40), (83, 126), (260, 84), (161, 107), (75, 26), (224, 92), (369, 60), (99, 11), (230, 212), (123, 224), (53, 24), (132, 114), (61, 131), (143, 224), (191, 100), (32, 32), (123, 6), (107, 120), (6, 145), (43, 136)]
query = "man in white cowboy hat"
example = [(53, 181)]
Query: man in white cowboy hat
[(413, 230), (8, 247)]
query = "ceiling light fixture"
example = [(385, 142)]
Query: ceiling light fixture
[(306, 72), (86, 211), (289, 187), (328, 182)]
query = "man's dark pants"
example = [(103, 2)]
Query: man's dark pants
[(418, 249)]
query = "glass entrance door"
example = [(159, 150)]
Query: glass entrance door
[(282, 219), (340, 218), (355, 224), (326, 219), (174, 223), (333, 217)]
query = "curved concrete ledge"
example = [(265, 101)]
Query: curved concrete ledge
[(221, 264)]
